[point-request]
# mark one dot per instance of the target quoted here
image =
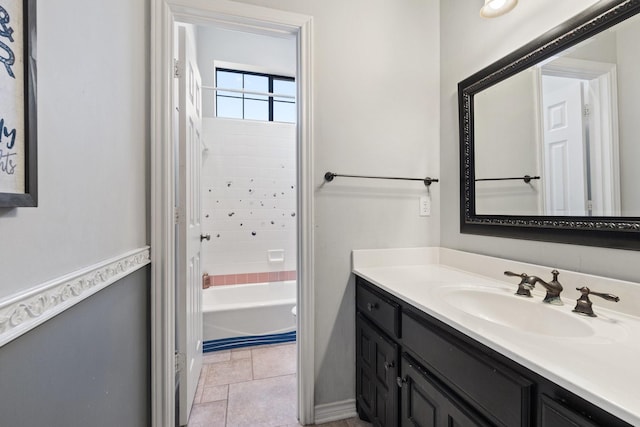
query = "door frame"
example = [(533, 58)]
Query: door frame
[(607, 144), (252, 18)]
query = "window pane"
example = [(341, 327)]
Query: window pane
[(256, 84), (229, 107), (284, 112), (284, 87), (228, 80), (256, 110)]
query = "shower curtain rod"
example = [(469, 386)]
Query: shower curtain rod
[(249, 92), (329, 176)]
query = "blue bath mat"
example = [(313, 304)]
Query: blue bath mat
[(247, 341)]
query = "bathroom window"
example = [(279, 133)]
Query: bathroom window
[(255, 96)]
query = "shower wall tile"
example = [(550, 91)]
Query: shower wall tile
[(248, 198)]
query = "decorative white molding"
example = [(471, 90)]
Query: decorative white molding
[(22, 312), (335, 411)]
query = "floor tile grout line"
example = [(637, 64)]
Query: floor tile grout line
[(251, 357)]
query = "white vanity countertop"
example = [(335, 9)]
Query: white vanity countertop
[(600, 366)]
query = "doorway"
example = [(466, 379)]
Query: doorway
[(163, 236), (579, 137)]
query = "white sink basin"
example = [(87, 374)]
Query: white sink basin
[(530, 315)]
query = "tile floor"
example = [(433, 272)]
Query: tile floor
[(250, 387)]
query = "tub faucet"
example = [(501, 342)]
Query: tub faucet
[(527, 283)]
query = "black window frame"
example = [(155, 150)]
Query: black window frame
[(270, 99)]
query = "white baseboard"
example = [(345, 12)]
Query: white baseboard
[(24, 311), (335, 411)]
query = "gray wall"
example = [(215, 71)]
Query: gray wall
[(88, 366), (470, 43), (92, 143), (629, 105), (376, 111), (517, 138)]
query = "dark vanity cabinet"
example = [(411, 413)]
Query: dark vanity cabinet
[(377, 354), (377, 372), (413, 370)]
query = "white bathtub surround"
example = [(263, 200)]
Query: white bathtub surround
[(22, 312), (248, 310), (249, 196), (595, 363)]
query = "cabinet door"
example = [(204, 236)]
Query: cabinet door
[(376, 372), (425, 403)]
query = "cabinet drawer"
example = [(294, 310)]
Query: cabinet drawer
[(380, 310), (497, 392)]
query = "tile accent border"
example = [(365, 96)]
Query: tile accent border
[(335, 411), (247, 278), (24, 311)]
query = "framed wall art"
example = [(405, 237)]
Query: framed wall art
[(18, 122)]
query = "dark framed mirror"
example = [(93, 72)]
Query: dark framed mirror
[(549, 145)]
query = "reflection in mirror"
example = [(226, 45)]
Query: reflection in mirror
[(570, 123)]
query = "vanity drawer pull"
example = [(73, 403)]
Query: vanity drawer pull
[(372, 306), (401, 381), (389, 365)]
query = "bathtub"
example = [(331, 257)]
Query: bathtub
[(254, 309)]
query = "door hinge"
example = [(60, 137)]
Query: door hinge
[(179, 361), (586, 110), (176, 215), (176, 69), (589, 205)]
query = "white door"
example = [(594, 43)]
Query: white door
[(189, 280), (564, 152)]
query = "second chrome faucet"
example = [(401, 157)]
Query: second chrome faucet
[(527, 283)]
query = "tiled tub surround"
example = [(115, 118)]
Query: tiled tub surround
[(248, 196), (600, 368)]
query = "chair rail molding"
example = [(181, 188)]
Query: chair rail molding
[(24, 311)]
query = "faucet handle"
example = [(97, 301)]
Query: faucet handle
[(524, 287), (583, 304), (511, 273), (608, 297)]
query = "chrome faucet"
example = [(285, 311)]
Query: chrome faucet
[(527, 283)]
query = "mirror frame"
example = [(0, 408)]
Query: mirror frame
[(612, 232)]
